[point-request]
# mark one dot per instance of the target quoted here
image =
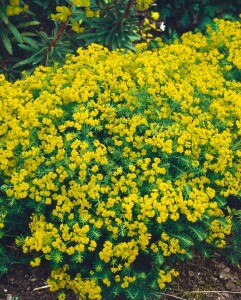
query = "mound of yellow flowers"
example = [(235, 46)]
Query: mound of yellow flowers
[(125, 160)]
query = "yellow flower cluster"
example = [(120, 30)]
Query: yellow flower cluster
[(86, 288), (166, 277), (167, 245), (149, 24), (3, 214), (15, 8), (121, 154), (62, 14), (143, 4), (126, 251), (47, 238), (81, 3), (218, 232)]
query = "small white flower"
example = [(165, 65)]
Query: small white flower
[(162, 26)]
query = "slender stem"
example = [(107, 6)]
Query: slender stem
[(4, 67), (55, 40), (128, 7), (59, 33), (125, 14)]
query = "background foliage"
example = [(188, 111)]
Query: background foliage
[(184, 15)]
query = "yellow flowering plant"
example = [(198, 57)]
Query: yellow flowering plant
[(124, 161)]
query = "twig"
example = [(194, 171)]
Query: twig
[(12, 247), (224, 292), (2, 64), (169, 295), (41, 288)]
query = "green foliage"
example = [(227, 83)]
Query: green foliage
[(182, 16), (112, 29), (232, 252), (41, 53), (12, 32)]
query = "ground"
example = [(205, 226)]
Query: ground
[(212, 279)]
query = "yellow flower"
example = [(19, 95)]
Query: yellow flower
[(89, 13), (106, 281), (62, 15), (81, 3), (155, 15), (36, 262)]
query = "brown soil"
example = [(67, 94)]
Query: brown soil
[(212, 279), (199, 279), (20, 284)]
